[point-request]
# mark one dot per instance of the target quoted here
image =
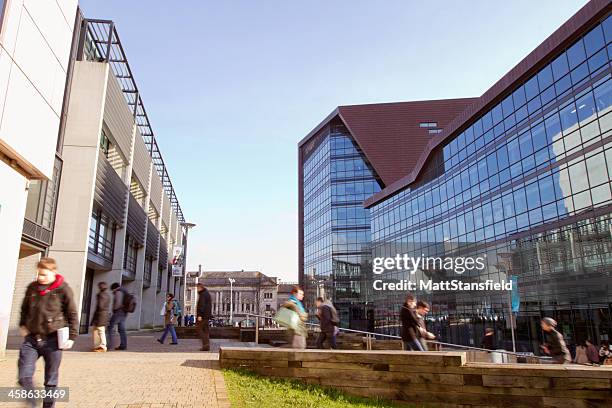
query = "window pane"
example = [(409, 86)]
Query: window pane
[(586, 107), (594, 41), (560, 66), (578, 177), (603, 96), (576, 54)]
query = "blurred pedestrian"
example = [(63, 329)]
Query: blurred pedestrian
[(204, 312), (605, 355), (488, 340), (328, 320), (297, 334), (554, 344), (581, 354), (170, 317), (422, 308), (46, 310), (592, 352), (410, 325), (100, 318), (118, 317)]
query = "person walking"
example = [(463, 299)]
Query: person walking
[(422, 308), (581, 354), (170, 318), (592, 352), (488, 340), (410, 326), (100, 318), (179, 320), (297, 336), (328, 320), (605, 354), (554, 344), (118, 317), (186, 318), (204, 313), (48, 306)]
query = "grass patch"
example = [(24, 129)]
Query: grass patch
[(247, 389)]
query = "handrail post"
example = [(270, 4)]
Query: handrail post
[(256, 330)]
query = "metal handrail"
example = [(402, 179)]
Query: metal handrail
[(372, 335)]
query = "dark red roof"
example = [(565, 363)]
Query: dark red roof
[(389, 133), (560, 39)]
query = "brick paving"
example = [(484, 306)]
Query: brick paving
[(147, 375)]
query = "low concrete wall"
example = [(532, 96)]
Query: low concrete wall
[(436, 379)]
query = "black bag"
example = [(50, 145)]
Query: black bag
[(129, 302)]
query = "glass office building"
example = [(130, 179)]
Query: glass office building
[(342, 162), (525, 181), (337, 179)]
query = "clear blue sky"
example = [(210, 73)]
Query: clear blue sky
[(232, 86)]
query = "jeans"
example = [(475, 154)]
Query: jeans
[(31, 350), (118, 318), (413, 345), (329, 336), (169, 329)]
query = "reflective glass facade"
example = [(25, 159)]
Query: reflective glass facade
[(337, 255), (528, 185)]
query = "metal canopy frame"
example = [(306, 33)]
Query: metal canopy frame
[(100, 42)]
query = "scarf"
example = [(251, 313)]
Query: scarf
[(298, 303), (59, 279)]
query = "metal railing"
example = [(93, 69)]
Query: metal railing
[(370, 336)]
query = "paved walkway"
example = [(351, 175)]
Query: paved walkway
[(147, 375)]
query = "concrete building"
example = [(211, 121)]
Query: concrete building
[(251, 292), (35, 48), (117, 215)]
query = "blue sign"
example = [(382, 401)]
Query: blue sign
[(515, 295)]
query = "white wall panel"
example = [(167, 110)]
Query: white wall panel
[(68, 8), (29, 125), (36, 59), (10, 25), (52, 25), (5, 71)]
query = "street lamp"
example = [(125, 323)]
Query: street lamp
[(186, 226), (232, 281)]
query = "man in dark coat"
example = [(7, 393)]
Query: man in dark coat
[(48, 307), (410, 325), (328, 320), (204, 312), (100, 318)]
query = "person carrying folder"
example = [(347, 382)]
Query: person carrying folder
[(48, 307)]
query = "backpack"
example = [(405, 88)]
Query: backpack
[(177, 308), (129, 302)]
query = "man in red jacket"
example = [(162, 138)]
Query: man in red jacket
[(47, 307)]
